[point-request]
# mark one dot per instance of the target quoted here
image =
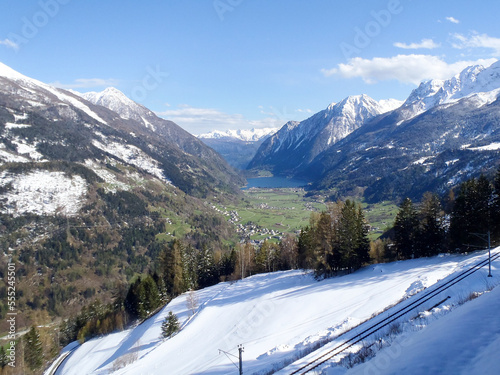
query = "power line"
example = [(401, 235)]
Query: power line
[(239, 358)]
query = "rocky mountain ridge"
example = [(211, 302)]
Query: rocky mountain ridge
[(296, 144), (445, 132), (39, 122)]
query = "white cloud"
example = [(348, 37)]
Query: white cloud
[(82, 83), (300, 110), (9, 43), (476, 40), (203, 120), (403, 68), (452, 20), (424, 44)]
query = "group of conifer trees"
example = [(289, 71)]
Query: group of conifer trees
[(461, 224), (336, 240), (32, 354)]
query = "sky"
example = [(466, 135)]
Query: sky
[(241, 64)]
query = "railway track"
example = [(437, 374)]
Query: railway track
[(373, 328)]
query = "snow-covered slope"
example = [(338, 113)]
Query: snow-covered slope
[(277, 317), (466, 341), (41, 123), (474, 81), (245, 135), (118, 102), (43, 193), (169, 132), (38, 93), (297, 144)]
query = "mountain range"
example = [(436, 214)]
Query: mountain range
[(92, 187), (296, 144), (238, 147), (245, 135), (446, 131), (41, 123)]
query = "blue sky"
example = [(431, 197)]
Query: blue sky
[(226, 64)]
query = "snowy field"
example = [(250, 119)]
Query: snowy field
[(42, 193), (279, 317)]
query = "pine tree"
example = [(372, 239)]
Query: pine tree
[(150, 297), (323, 242), (189, 264), (363, 243), (305, 252), (142, 298), (431, 235), (485, 204), (134, 299), (162, 290), (207, 270), (170, 325), (339, 238), (472, 213), (33, 351), (405, 230), (353, 241), (228, 264), (171, 268), (460, 223)]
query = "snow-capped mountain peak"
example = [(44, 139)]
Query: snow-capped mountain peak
[(314, 135), (110, 94), (245, 135), (473, 80), (8, 72), (363, 105), (40, 92), (387, 105), (117, 101)]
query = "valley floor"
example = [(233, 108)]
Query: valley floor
[(279, 317)]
